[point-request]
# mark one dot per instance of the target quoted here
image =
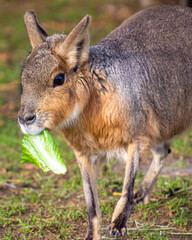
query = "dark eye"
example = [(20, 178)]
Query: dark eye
[(58, 80)]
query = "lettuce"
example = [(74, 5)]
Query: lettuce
[(42, 151)]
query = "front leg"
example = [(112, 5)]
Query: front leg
[(122, 212), (89, 172)]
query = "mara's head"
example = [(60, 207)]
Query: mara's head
[(53, 91)]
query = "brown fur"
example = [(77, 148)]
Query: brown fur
[(120, 98)]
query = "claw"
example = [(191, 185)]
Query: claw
[(117, 234), (123, 232), (112, 232)]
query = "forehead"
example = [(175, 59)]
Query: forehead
[(39, 66)]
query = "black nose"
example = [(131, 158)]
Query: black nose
[(28, 119)]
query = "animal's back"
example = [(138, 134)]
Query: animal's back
[(150, 28), (148, 59)]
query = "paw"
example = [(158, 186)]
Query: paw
[(117, 230), (141, 196), (89, 237), (93, 231)]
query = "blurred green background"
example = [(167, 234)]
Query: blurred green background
[(34, 205)]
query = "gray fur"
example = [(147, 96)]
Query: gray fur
[(155, 48), (145, 65)]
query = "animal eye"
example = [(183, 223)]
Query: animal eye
[(58, 80)]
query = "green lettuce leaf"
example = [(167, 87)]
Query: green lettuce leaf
[(42, 151)]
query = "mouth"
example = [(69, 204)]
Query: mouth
[(31, 129), (34, 124)]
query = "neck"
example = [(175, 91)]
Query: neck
[(98, 124)]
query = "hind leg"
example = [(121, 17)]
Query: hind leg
[(160, 152), (136, 152)]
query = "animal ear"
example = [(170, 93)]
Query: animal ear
[(75, 48), (36, 33)]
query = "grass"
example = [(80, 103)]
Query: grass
[(37, 205)]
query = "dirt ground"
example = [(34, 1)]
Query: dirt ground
[(176, 165)]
